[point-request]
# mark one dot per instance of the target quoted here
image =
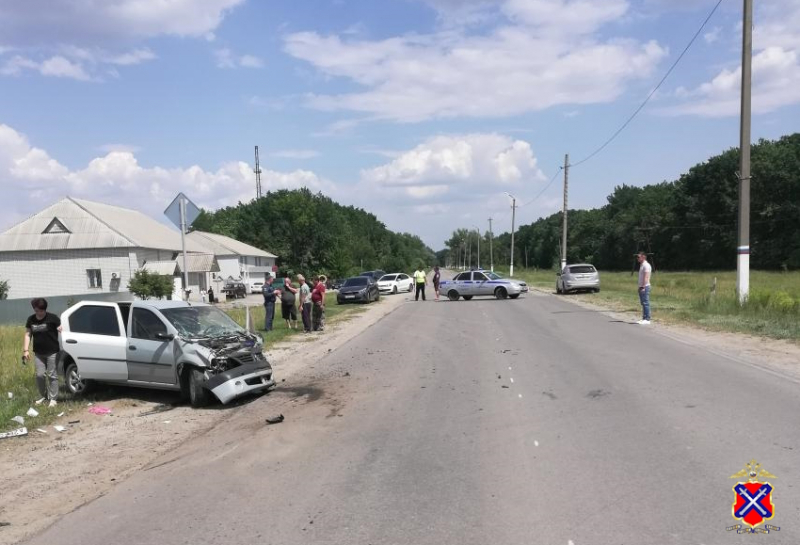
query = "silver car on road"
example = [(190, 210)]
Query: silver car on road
[(471, 283), (581, 276)]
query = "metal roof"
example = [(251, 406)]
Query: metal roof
[(166, 268), (198, 263), (222, 245), (88, 224)]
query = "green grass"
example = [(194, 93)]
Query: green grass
[(772, 310), (21, 379)]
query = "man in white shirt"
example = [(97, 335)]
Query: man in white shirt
[(644, 287)]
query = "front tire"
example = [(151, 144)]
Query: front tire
[(75, 384), (199, 396), (452, 295), (500, 293), (394, 290)]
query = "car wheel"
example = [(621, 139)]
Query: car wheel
[(467, 298), (514, 296), (500, 293), (452, 295), (394, 290), (377, 296), (558, 289), (75, 384), (596, 290), (199, 396), (410, 287)]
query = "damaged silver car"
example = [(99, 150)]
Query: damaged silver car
[(193, 348)]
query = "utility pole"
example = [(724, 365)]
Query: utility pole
[(743, 249), (257, 171), (564, 213), (513, 213), (491, 253), (469, 243), (479, 244)]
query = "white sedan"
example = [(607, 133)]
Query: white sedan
[(395, 282)]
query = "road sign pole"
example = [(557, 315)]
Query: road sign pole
[(183, 248)]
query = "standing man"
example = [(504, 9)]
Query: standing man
[(43, 327), (305, 303), (420, 280), (644, 287), (437, 277), (318, 299), (269, 293)]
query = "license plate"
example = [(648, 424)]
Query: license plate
[(349, 296)]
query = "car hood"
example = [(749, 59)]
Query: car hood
[(351, 289)]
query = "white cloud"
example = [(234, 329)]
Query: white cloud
[(225, 58), (529, 63), (32, 178), (455, 167), (713, 35), (776, 69), (137, 56), (57, 66)]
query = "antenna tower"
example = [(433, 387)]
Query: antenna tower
[(257, 170)]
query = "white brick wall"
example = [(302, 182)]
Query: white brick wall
[(63, 272)]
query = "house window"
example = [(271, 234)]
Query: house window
[(93, 278)]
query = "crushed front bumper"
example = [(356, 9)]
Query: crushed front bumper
[(239, 381)]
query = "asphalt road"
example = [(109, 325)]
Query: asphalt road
[(484, 422)]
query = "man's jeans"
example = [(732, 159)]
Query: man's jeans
[(269, 309), (644, 299)]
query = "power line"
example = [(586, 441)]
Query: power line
[(545, 187), (653, 92)]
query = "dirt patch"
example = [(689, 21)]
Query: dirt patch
[(49, 475)]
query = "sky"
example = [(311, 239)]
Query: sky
[(426, 113)]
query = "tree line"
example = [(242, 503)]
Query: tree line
[(686, 224), (312, 234)]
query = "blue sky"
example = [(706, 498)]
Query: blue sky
[(423, 112)]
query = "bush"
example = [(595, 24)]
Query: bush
[(145, 285)]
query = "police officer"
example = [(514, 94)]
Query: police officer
[(269, 293), (420, 280)]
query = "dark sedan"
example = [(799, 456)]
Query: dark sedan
[(359, 289)]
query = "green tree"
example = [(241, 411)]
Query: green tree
[(145, 285), (4, 287)]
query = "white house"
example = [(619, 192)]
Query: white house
[(237, 260), (77, 247)]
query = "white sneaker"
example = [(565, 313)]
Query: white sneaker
[(643, 322), (40, 401), (52, 403)]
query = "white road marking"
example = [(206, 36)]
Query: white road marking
[(536, 443), (509, 368), (512, 379), (570, 542), (520, 395)]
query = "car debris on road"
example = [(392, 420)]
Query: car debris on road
[(275, 419)]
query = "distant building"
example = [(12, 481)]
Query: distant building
[(237, 260), (77, 247)]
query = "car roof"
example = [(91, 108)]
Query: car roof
[(164, 304), (580, 265)]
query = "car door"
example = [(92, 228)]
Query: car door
[(480, 284), (94, 337), (150, 351), (463, 283), (404, 283)]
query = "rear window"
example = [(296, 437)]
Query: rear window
[(96, 320), (358, 281), (581, 269)]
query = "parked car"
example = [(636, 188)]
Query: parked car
[(169, 345), (234, 290), (358, 289), (392, 283), (581, 276), (256, 285), (334, 283), (375, 275), (471, 283)]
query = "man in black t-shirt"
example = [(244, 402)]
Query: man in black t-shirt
[(43, 327)]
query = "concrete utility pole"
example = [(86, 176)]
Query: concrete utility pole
[(469, 240), (513, 212), (564, 213), (182, 205), (479, 244), (743, 250), (491, 253)]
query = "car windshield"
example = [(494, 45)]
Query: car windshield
[(388, 277), (201, 321), (358, 281)]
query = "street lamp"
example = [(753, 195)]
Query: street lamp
[(513, 211), (479, 245)]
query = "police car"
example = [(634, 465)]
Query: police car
[(471, 283)]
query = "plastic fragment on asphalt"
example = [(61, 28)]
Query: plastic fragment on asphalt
[(505, 386), (60, 414), (19, 420), (275, 419), (74, 422), (14, 433), (536, 443), (511, 379), (99, 409), (40, 430), (59, 428), (5, 524), (167, 421), (520, 395), (32, 412)]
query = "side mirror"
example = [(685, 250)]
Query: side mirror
[(165, 336)]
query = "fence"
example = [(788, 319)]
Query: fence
[(16, 311)]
